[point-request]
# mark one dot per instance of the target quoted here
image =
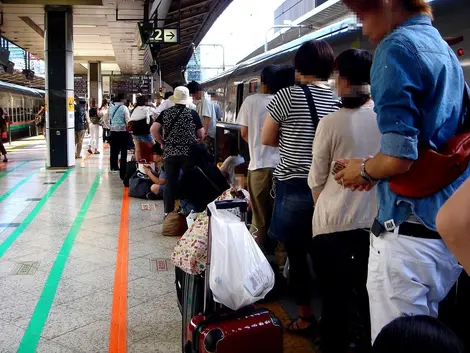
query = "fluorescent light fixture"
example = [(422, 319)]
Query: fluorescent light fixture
[(86, 35), (84, 26)]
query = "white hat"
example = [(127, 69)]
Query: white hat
[(180, 96)]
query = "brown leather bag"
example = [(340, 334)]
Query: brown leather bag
[(174, 225), (434, 170)]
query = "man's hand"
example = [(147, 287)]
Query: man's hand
[(350, 176), (147, 169)]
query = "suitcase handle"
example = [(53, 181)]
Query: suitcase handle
[(229, 204)]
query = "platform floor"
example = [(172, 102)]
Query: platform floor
[(84, 268)]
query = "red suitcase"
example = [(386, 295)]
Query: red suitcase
[(221, 330)]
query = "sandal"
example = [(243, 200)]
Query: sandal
[(294, 327)]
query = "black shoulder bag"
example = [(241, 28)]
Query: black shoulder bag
[(311, 105)]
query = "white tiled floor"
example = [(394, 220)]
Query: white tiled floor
[(80, 317)]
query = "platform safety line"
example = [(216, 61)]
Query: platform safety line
[(17, 185), (12, 169), (8, 242), (31, 337), (118, 332)]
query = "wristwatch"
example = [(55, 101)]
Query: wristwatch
[(364, 174)]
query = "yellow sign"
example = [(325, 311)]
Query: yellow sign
[(71, 106)]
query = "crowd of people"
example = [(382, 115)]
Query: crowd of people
[(333, 144), (332, 166)]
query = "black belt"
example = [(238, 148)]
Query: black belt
[(406, 228)]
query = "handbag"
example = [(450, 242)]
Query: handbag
[(434, 170), (174, 225), (139, 185), (190, 253)]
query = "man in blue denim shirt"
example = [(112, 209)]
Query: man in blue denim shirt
[(417, 85)]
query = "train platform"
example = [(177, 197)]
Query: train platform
[(84, 268)]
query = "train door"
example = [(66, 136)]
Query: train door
[(239, 96)]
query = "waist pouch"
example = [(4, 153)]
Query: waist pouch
[(434, 170)]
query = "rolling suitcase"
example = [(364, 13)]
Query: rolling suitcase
[(221, 330)]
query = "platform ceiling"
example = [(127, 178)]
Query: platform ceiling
[(98, 36)]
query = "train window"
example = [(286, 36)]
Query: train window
[(253, 88)]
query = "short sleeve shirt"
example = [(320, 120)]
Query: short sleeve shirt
[(179, 125), (289, 108)]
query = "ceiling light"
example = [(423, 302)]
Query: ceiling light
[(86, 35), (84, 26)]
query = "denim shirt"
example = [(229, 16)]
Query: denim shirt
[(417, 86)]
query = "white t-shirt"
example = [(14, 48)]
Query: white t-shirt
[(205, 107), (252, 115), (229, 167)]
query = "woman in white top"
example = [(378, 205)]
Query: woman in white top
[(141, 120), (104, 119), (341, 240)]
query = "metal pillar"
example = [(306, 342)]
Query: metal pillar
[(95, 86), (58, 55)]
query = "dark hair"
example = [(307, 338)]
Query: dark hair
[(105, 101), (416, 334), (140, 101), (268, 77), (315, 58), (156, 149), (232, 143), (354, 65), (1, 112), (194, 87), (285, 77), (168, 94)]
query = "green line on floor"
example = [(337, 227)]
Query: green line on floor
[(17, 185), (12, 169), (31, 338), (8, 242)]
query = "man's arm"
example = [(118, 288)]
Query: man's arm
[(244, 132), (153, 177)]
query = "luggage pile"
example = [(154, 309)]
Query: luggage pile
[(218, 288)]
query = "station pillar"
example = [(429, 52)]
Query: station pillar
[(95, 87), (58, 57)]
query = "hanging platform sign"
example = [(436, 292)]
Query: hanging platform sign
[(150, 35)]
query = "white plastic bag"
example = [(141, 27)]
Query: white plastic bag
[(240, 274), (192, 217)]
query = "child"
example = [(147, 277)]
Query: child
[(158, 177), (233, 160)]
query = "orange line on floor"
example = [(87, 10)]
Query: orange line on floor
[(118, 334)]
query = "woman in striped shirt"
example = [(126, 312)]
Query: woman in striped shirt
[(293, 116)]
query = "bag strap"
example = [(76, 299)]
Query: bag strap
[(466, 109), (173, 121), (210, 181), (311, 105)]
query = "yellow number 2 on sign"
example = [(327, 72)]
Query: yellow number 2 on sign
[(71, 105)]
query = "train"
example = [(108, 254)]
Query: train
[(21, 104), (233, 86)]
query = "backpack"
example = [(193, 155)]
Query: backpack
[(94, 118)]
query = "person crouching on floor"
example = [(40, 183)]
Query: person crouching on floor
[(158, 177)]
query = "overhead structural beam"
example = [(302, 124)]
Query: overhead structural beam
[(33, 25)]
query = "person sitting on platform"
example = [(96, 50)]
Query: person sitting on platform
[(158, 176)]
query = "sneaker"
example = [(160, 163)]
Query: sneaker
[(90, 151), (97, 152)]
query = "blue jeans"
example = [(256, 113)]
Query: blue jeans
[(293, 211), (292, 224)]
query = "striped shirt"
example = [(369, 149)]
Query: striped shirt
[(289, 108)]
